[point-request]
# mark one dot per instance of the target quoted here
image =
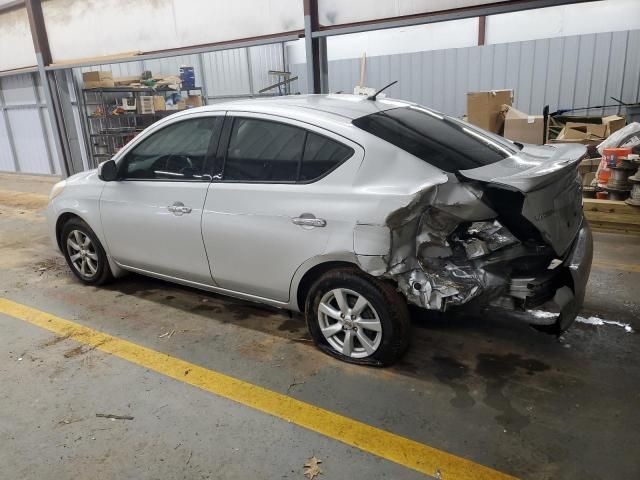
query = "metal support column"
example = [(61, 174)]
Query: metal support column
[(43, 58), (203, 82), (482, 29), (247, 52), (316, 51), (7, 126), (43, 125)]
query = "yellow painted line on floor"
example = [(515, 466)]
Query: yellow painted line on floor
[(625, 267), (405, 452)]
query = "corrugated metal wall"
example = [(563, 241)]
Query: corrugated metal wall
[(221, 73), (567, 72), (26, 143)]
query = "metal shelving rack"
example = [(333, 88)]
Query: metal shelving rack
[(107, 133)]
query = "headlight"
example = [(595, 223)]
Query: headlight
[(57, 189)]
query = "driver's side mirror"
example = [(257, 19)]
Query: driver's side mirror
[(108, 171)]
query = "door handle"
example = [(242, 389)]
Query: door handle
[(178, 208), (309, 221)]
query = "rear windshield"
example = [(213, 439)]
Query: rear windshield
[(445, 143)]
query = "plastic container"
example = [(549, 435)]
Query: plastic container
[(610, 157), (187, 77)]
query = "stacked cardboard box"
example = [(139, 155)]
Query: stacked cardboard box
[(98, 79), (588, 133), (520, 127), (483, 108)]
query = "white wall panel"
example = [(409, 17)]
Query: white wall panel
[(18, 89), (16, 45), (336, 12), (265, 58), (566, 20), (29, 141), (93, 28), (419, 38), (226, 72)]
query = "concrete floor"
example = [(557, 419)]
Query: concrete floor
[(486, 389)]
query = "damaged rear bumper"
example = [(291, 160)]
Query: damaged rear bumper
[(578, 263), (564, 288)]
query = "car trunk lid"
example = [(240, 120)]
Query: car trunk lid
[(550, 191)]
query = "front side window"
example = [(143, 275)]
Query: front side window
[(267, 151), (438, 140), (176, 152)]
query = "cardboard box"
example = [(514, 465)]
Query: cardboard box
[(145, 104), (159, 103), (520, 127), (590, 133), (98, 79), (125, 81), (193, 101), (483, 108)]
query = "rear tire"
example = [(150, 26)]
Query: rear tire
[(84, 253), (358, 318)]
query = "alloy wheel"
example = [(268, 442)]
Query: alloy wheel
[(82, 253), (349, 323)]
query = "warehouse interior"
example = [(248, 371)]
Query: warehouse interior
[(145, 378)]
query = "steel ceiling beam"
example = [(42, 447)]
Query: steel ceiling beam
[(214, 47), (315, 49), (442, 16), (43, 58), (11, 5)]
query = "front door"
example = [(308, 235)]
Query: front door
[(151, 216)]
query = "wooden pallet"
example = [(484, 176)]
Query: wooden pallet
[(612, 216)]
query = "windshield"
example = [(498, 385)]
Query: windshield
[(448, 144)]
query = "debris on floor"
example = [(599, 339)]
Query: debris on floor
[(589, 320), (311, 468), (600, 321), (167, 334), (114, 417)]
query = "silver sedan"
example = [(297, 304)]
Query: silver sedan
[(342, 207)]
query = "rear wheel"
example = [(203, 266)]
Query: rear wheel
[(84, 253), (357, 318)]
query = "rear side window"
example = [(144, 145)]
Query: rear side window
[(263, 151), (321, 155), (441, 142), (267, 151)]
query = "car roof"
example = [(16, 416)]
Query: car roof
[(347, 106)]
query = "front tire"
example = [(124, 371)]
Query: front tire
[(357, 318), (84, 253)]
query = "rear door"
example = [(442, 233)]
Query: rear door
[(151, 215), (274, 207)]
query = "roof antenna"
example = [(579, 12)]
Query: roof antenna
[(373, 97)]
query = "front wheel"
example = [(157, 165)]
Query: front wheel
[(84, 253), (357, 318)]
